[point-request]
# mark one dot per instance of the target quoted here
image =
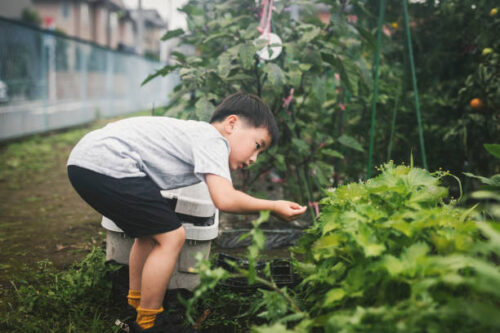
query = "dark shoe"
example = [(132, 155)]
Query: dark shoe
[(128, 318), (164, 323)]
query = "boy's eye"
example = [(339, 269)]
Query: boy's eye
[(257, 145)]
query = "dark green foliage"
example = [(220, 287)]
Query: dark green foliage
[(489, 193), (223, 34), (31, 16), (452, 67)]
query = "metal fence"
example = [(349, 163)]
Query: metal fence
[(49, 81)]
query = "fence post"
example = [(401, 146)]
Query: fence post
[(83, 79), (109, 81)]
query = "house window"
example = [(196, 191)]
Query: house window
[(84, 14), (113, 21), (65, 9)]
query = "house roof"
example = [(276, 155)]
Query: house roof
[(151, 17), (114, 4)]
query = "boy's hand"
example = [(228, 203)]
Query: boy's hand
[(287, 210)]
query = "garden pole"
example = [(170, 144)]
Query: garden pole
[(383, 4), (414, 81), (393, 123)]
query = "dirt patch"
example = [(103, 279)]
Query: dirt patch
[(45, 219)]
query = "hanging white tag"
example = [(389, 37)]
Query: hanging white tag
[(270, 52)]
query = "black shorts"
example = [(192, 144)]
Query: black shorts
[(134, 204)]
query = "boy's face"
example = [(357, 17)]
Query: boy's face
[(246, 143)]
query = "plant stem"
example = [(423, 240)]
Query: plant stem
[(274, 287), (256, 71)]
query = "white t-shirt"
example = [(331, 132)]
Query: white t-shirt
[(173, 152)]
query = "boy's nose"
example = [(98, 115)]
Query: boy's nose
[(253, 158)]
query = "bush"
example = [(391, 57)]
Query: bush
[(70, 301), (389, 254)]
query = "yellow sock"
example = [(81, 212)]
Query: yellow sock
[(146, 317), (134, 298)]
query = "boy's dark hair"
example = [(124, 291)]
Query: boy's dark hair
[(250, 107)]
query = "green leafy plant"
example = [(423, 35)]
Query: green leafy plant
[(69, 301), (300, 85), (388, 254)]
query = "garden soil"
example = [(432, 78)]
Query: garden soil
[(44, 218)]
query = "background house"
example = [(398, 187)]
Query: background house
[(154, 28), (107, 23)]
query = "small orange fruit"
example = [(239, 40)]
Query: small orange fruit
[(394, 25), (476, 103), (493, 12)]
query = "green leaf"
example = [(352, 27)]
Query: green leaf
[(338, 66), (275, 328), (215, 36), (224, 66), (300, 146), (367, 36), (280, 162), (493, 149), (260, 43), (180, 56), (393, 265), (488, 181), (331, 153), (350, 142), (239, 77), (327, 242), (310, 35), (481, 195), (274, 74), (247, 53), (305, 67), (204, 109), (172, 34), (162, 72), (259, 239), (294, 77), (333, 296)]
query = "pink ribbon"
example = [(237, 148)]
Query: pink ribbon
[(266, 14), (315, 205), (289, 99)]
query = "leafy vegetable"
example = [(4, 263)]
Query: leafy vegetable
[(388, 255)]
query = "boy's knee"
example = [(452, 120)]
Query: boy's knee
[(182, 235), (174, 238)]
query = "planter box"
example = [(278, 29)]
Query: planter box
[(200, 219)]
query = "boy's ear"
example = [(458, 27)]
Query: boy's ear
[(230, 123)]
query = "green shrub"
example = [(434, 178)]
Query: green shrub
[(390, 254), (75, 300)]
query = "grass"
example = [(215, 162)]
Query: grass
[(74, 300)]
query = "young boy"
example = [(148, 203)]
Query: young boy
[(120, 169)]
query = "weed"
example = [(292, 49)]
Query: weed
[(74, 300)]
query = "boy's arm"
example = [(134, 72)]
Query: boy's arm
[(228, 199)]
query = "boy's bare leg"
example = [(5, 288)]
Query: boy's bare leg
[(138, 254), (159, 267)]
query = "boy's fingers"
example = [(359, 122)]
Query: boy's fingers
[(296, 206), (301, 209)]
